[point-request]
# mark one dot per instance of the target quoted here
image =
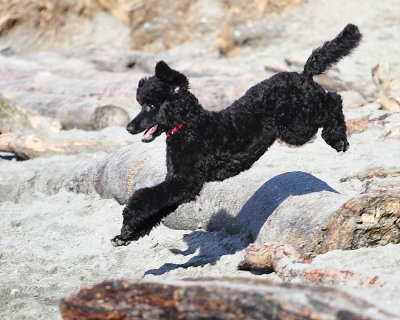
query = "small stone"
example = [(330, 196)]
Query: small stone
[(14, 292)]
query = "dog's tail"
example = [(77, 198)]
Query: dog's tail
[(331, 52)]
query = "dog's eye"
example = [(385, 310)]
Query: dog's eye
[(150, 107)]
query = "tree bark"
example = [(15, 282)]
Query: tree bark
[(215, 299)]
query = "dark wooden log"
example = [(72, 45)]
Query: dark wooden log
[(215, 299)]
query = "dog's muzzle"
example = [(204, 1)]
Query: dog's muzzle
[(130, 129), (133, 128)]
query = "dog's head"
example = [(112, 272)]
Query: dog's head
[(156, 94)]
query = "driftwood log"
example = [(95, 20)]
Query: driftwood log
[(216, 299), (34, 145), (14, 118), (92, 115), (270, 205), (84, 99), (287, 263), (71, 112)]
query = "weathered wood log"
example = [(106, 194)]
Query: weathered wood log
[(288, 265), (269, 205), (216, 299), (69, 111), (89, 99), (92, 115), (370, 219), (14, 118), (113, 176), (29, 146)]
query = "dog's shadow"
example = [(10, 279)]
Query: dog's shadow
[(242, 229)]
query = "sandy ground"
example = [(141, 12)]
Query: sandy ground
[(54, 245)]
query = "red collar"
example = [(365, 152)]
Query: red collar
[(175, 129)]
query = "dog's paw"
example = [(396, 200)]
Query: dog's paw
[(118, 241), (342, 145)]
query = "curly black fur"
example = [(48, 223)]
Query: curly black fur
[(212, 146)]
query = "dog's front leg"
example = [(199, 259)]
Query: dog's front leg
[(148, 206)]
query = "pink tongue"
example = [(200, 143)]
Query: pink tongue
[(149, 132)]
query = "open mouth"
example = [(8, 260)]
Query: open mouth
[(148, 135)]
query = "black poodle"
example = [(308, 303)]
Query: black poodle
[(207, 146)]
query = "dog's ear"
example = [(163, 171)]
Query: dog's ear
[(171, 76), (141, 82)]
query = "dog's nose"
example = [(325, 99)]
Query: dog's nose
[(130, 129)]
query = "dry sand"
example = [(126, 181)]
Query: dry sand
[(54, 245)]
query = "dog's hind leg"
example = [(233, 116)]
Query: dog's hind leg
[(334, 126), (148, 206), (292, 125)]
